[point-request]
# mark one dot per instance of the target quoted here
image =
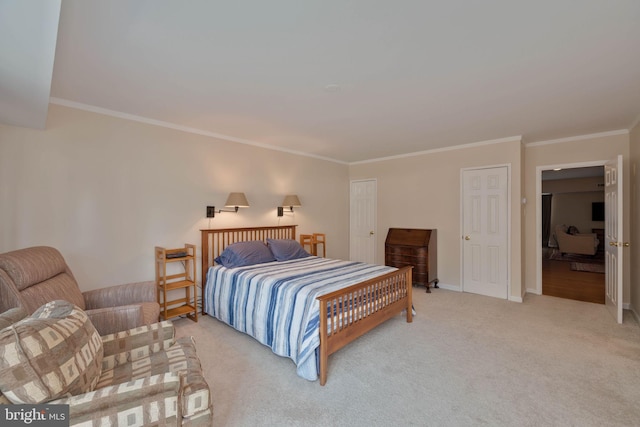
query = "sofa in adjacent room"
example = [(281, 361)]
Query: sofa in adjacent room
[(576, 243)]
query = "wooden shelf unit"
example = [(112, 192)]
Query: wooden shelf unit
[(185, 279)]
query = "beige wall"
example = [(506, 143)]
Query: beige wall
[(522, 211), (586, 151), (106, 190), (634, 249), (423, 191)]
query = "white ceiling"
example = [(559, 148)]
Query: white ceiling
[(28, 31), (410, 75)]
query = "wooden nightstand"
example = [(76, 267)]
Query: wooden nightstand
[(313, 240)]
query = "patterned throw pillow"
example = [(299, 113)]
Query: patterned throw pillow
[(56, 352)]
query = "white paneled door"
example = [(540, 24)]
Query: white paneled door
[(485, 231), (362, 242), (613, 236)]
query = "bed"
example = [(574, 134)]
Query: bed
[(279, 302)]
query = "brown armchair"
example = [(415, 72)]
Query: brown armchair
[(34, 276)]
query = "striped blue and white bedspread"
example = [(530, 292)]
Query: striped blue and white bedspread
[(276, 302)]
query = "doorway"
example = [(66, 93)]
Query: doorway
[(572, 242)]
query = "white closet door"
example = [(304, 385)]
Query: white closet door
[(362, 245), (485, 231)]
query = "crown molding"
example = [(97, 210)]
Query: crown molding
[(196, 131), (579, 138), (440, 150), (187, 129)]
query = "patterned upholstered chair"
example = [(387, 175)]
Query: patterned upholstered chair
[(34, 276), (143, 376)]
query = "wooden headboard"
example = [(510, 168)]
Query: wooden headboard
[(215, 240)]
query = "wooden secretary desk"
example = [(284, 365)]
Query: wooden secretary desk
[(416, 247)]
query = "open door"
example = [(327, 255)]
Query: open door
[(613, 236)]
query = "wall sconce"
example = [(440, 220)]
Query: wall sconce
[(235, 200), (290, 200)]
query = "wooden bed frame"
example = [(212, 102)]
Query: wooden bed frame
[(356, 309)]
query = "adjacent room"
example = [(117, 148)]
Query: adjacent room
[(573, 233), (321, 213)]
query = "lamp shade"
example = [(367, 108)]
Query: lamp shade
[(237, 200), (291, 200)]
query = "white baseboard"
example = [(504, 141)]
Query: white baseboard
[(450, 287), (625, 306), (634, 313), (459, 289)]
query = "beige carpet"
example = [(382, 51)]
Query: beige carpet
[(466, 360)]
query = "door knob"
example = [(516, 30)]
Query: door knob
[(371, 233), (626, 244), (467, 238), (613, 243)]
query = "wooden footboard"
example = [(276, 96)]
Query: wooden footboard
[(355, 310)]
